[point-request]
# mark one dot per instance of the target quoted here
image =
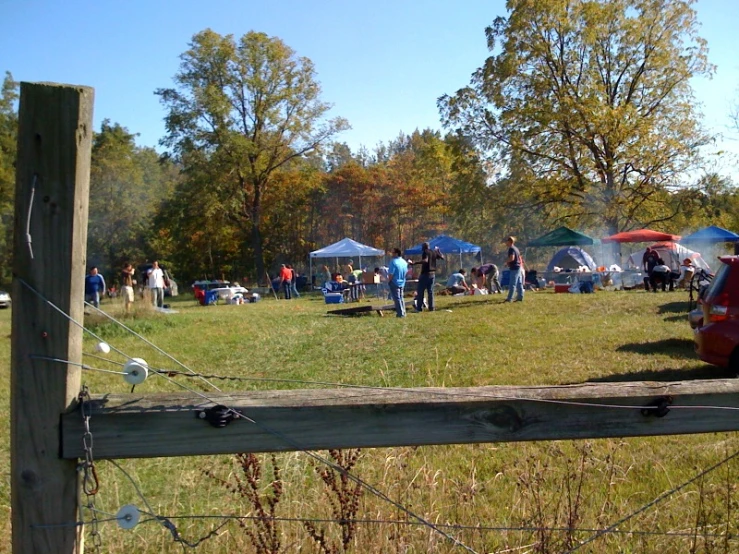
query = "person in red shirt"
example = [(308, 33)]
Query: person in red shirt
[(286, 275)]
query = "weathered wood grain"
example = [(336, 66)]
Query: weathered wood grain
[(54, 143), (127, 426)]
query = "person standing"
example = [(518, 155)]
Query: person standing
[(156, 284), (127, 283), (94, 285), (427, 277), (293, 282), (325, 276), (286, 275), (396, 281), (515, 265), (649, 261)]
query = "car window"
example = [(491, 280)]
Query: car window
[(718, 283)]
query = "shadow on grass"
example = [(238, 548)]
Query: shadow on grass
[(467, 302), (680, 317), (675, 348), (668, 374), (674, 308)]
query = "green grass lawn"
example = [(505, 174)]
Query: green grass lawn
[(548, 339)]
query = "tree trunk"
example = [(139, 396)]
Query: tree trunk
[(256, 244), (256, 233)]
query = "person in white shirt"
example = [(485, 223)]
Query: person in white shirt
[(156, 285), (687, 270), (660, 275)]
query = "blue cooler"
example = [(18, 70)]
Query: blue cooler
[(333, 298), (211, 297)]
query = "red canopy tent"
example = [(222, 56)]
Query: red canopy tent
[(641, 235)]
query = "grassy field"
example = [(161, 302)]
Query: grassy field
[(514, 497)]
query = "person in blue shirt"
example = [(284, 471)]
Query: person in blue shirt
[(515, 265), (94, 286), (396, 281)]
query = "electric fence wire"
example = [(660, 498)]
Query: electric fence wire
[(452, 526), (151, 344), (166, 521), (600, 532), (367, 485), (154, 518), (427, 392), (168, 524), (657, 500)]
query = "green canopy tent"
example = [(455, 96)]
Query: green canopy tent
[(564, 236)]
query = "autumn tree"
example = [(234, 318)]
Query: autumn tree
[(250, 107), (8, 148), (586, 107)]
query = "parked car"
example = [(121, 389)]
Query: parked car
[(717, 333), (170, 285), (4, 299)]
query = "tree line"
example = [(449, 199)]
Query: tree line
[(582, 115)]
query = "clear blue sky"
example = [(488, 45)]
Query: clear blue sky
[(382, 64)]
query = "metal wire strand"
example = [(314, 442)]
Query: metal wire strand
[(151, 344), (426, 392), (657, 500)]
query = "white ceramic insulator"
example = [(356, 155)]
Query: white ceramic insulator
[(128, 516), (136, 371), (103, 347)]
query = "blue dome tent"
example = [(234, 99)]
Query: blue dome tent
[(571, 257)]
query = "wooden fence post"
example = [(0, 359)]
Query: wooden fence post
[(49, 250)]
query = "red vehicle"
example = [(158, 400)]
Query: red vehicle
[(717, 337)]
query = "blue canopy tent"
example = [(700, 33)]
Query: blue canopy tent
[(711, 235), (447, 245), (571, 257)]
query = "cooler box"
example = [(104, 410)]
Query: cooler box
[(562, 288), (333, 298), (211, 297)]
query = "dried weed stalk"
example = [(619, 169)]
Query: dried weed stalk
[(343, 496), (555, 517), (262, 530)]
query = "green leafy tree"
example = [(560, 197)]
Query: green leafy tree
[(586, 107), (250, 107), (127, 185), (8, 152)]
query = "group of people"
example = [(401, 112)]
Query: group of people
[(661, 275), (486, 276), (95, 285)]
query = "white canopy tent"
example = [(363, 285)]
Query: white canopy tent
[(672, 253), (346, 248)]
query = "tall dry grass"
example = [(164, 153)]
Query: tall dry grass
[(515, 497)]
